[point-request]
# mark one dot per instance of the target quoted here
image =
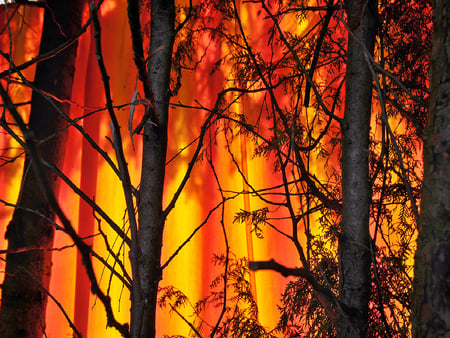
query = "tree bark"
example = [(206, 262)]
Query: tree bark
[(151, 217), (22, 312), (431, 312), (354, 237)]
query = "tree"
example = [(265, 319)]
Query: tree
[(145, 261), (30, 235), (378, 190), (151, 214), (431, 275), (354, 242)]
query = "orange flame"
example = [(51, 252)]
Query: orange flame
[(191, 270)]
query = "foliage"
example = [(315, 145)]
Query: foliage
[(231, 291), (297, 140)]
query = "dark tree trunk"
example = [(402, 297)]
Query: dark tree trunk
[(151, 217), (431, 313), (354, 240), (22, 312)]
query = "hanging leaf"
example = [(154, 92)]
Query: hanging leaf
[(132, 108)]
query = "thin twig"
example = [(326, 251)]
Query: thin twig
[(90, 202), (58, 304), (136, 309), (139, 59), (185, 320)]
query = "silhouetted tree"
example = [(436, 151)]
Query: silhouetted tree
[(354, 240), (27, 275), (432, 271)]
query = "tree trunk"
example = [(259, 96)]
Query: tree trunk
[(22, 312), (354, 239), (431, 312), (151, 218)]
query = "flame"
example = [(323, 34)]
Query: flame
[(191, 270)]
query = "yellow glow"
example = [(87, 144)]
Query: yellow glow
[(191, 270)]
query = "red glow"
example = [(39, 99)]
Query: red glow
[(191, 271)]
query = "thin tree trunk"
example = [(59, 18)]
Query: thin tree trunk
[(431, 312), (354, 240), (151, 217), (22, 312)]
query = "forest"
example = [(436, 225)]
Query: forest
[(224, 168)]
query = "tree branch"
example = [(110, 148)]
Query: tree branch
[(323, 31), (325, 296), (139, 60), (125, 175)]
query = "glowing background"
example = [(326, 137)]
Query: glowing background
[(191, 271)]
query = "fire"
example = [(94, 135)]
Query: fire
[(191, 270)]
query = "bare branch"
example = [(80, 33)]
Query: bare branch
[(125, 175), (139, 59)]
